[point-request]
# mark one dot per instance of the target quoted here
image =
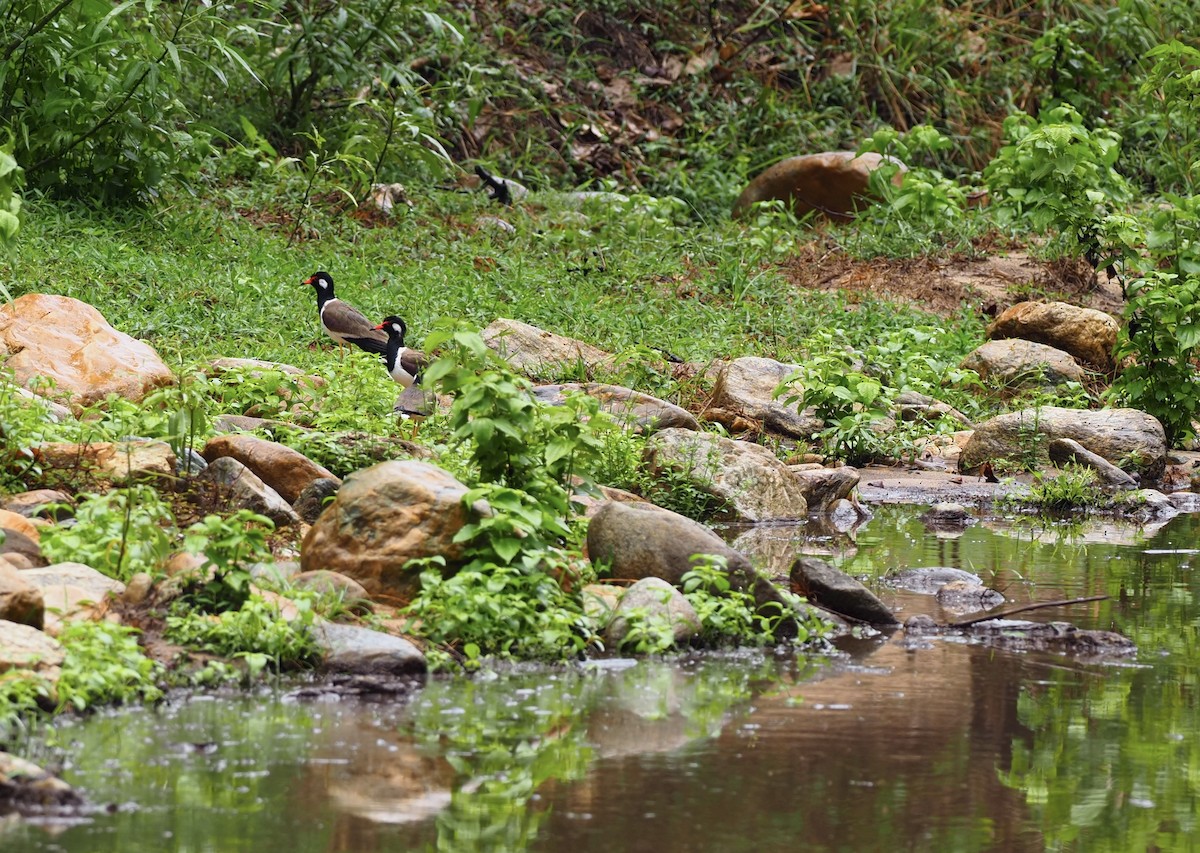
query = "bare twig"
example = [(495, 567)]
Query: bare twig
[(1024, 608)]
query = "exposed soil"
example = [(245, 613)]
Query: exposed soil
[(946, 286)]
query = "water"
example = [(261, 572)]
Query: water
[(954, 747)]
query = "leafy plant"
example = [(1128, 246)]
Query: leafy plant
[(10, 199), (90, 91), (104, 663), (1159, 341), (1057, 174), (730, 615), (1175, 76), (849, 401), (256, 632), (647, 632), (510, 438), (229, 545), (1074, 487), (489, 609), (119, 533)]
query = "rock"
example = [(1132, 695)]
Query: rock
[(285, 470), (1017, 364), (635, 410), (70, 342), (1147, 505), (387, 196), (752, 483), (323, 582), (638, 541), (10, 520), (313, 500), (47, 409), (1085, 333), (1126, 437), (20, 601), (240, 423), (138, 590), (929, 579), (844, 515), (241, 488), (967, 597), (538, 353), (495, 223), (38, 503), (71, 591), (27, 789), (942, 449), (600, 601), (834, 183), (1185, 501), (122, 462), (645, 541), (253, 367), (384, 516), (827, 587), (276, 571), (947, 514), (745, 388), (1063, 451), (656, 601), (823, 487), (914, 406), (361, 651), (23, 647), (13, 543), (189, 464), (1061, 637)]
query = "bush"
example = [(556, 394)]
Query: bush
[(89, 91)]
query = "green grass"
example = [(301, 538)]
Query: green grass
[(199, 281)]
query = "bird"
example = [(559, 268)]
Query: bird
[(342, 321), (403, 364)]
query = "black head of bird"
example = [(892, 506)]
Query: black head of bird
[(342, 321)]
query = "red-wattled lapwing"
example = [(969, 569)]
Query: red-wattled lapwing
[(342, 321), (404, 365)]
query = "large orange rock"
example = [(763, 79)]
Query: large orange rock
[(834, 183), (1085, 333), (382, 517), (70, 342), (285, 470)]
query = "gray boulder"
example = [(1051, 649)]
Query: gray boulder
[(654, 600), (1128, 438), (639, 412), (536, 352), (745, 388), (361, 651), (638, 541), (1016, 364), (750, 481), (830, 588), (243, 489)]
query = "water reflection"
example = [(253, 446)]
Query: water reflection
[(951, 746)]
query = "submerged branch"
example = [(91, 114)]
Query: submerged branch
[(1024, 609)]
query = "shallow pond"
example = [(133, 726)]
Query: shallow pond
[(950, 747)]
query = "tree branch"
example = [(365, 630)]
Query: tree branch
[(1024, 609)]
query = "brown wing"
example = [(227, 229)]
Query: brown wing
[(346, 324)]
